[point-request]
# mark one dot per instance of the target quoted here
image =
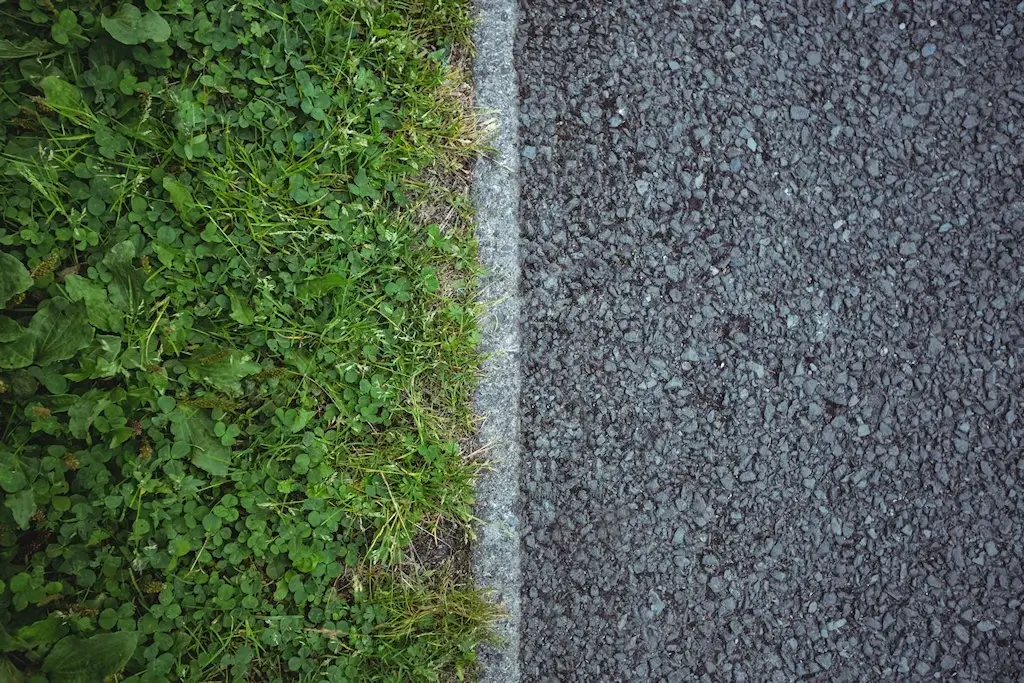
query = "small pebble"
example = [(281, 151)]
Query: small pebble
[(799, 113)]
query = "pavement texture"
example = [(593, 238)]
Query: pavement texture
[(772, 336)]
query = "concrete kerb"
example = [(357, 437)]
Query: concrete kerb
[(496, 563)]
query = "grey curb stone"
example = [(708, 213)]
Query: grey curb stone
[(496, 197)]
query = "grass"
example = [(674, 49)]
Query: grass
[(237, 341)]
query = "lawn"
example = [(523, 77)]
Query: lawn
[(237, 341)]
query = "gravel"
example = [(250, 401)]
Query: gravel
[(772, 331)]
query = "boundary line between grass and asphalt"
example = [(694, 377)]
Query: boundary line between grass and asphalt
[(496, 198)]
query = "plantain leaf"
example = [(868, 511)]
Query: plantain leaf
[(59, 329), (30, 48), (318, 286), (88, 660), (17, 353), (10, 330), (241, 311), (14, 277), (205, 449), (97, 303), (62, 96), (42, 632), (126, 284), (223, 370)]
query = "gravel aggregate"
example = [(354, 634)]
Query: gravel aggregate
[(771, 285)]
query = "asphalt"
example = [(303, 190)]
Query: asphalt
[(771, 340)]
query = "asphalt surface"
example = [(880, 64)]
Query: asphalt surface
[(772, 336)]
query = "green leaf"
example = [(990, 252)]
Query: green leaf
[(131, 26), (43, 632), (18, 353), (318, 286), (362, 186), (30, 48), (54, 382), (59, 329), (21, 583), (9, 674), (97, 303), (12, 479), (88, 660), (223, 370), (206, 450), (197, 147), (180, 197), (65, 28), (126, 285), (7, 642), (59, 34), (22, 506), (84, 412), (429, 280), (156, 27), (108, 619), (14, 277), (241, 311), (110, 144), (180, 546), (125, 25), (62, 97), (10, 330), (21, 384)]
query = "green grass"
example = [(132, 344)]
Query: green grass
[(237, 341)]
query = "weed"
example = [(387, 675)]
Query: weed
[(235, 361)]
